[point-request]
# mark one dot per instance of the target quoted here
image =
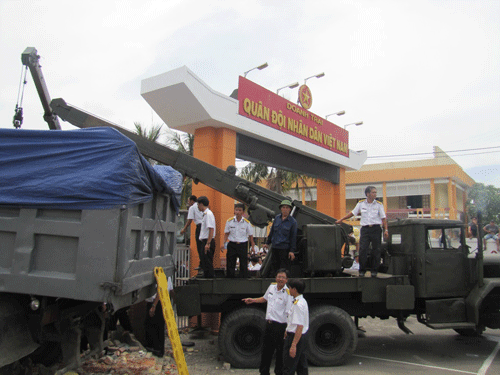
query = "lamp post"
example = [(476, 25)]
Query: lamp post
[(354, 123), (290, 86), (260, 67), (339, 113), (316, 75)]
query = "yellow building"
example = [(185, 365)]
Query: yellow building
[(431, 188)]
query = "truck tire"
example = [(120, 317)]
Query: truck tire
[(470, 332), (240, 337), (332, 336)]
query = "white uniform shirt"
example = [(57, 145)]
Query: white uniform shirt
[(207, 223), (299, 315), (238, 230), (279, 303), (195, 214), (371, 213), (254, 268)]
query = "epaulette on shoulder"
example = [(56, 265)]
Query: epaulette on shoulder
[(364, 200), (231, 218), (378, 201), (288, 291), (248, 221), (274, 283)]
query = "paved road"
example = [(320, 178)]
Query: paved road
[(385, 349)]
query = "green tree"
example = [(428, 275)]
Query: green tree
[(153, 134), (484, 198), (182, 142), (277, 180)]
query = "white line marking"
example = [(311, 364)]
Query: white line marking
[(486, 364), (416, 364)]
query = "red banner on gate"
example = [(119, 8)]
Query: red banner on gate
[(268, 108)]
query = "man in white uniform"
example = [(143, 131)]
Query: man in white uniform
[(279, 302), (196, 216), (295, 347), (237, 234), (372, 217), (207, 238)]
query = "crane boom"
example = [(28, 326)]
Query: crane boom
[(30, 58)]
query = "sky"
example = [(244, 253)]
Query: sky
[(417, 73)]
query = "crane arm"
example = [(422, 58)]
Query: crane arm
[(30, 58)]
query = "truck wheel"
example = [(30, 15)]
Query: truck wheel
[(470, 332), (240, 337), (332, 336)]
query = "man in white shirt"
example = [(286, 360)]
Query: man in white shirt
[(207, 238), (295, 347), (254, 264), (196, 216), (279, 303), (237, 233), (372, 217)]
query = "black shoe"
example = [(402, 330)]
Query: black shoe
[(361, 273), (374, 274)]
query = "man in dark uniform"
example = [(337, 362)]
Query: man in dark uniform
[(283, 237), (279, 302), (372, 217)]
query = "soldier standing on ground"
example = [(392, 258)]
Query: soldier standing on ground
[(372, 217), (279, 302), (295, 347)]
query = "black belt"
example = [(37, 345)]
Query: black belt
[(273, 322), (371, 225), (238, 243)]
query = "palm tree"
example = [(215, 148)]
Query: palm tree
[(277, 180), (182, 142), (153, 134)]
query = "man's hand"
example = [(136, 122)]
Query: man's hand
[(293, 350), (386, 234), (265, 246), (183, 230), (207, 247), (152, 311), (291, 255), (338, 222), (248, 301)]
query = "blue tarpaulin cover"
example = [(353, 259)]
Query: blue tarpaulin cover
[(96, 168)]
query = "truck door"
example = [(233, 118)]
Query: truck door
[(444, 263)]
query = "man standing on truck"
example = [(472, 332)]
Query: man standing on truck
[(372, 217), (237, 234), (295, 347), (283, 236), (279, 302), (207, 238), (196, 216)]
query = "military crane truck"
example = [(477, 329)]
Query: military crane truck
[(427, 270)]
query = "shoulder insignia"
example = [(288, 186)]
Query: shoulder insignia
[(364, 200), (274, 283), (231, 218), (248, 221), (378, 201), (288, 292), (296, 301)]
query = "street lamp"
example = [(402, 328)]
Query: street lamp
[(339, 113), (290, 86), (316, 75), (260, 67), (353, 123)]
